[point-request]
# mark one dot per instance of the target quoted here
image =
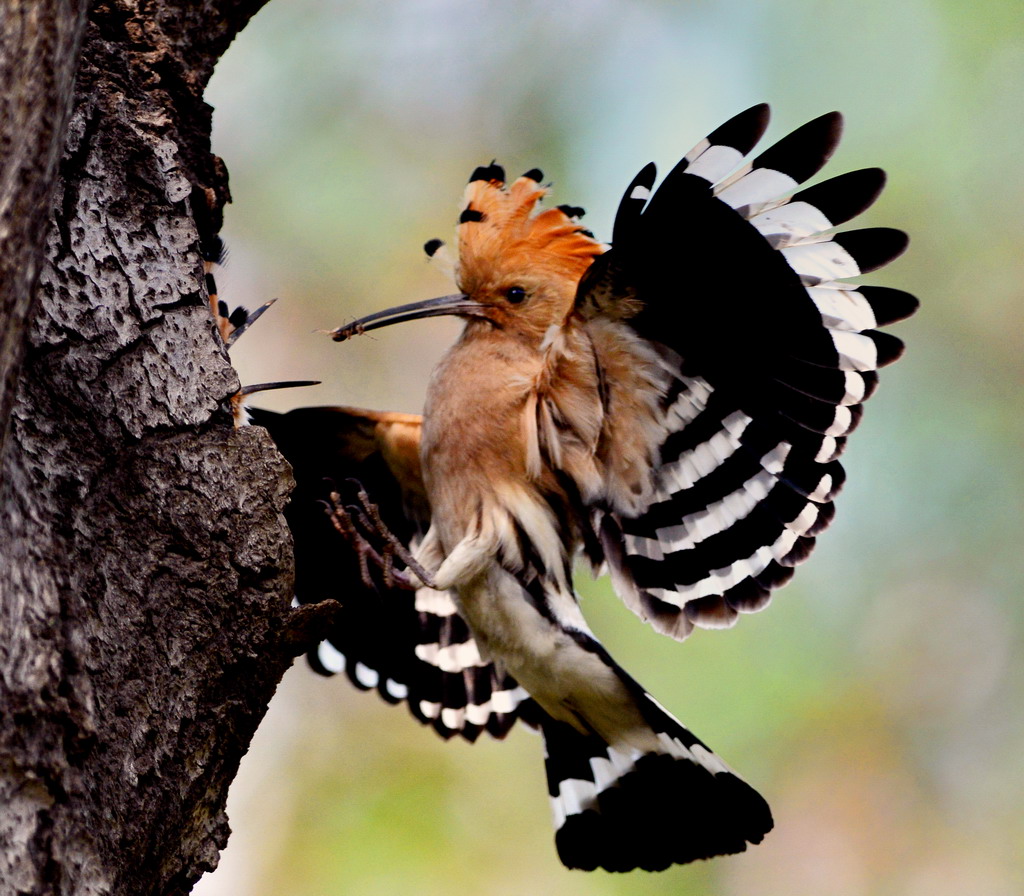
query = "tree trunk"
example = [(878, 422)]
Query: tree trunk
[(145, 567)]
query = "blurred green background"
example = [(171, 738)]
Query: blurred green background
[(877, 703)]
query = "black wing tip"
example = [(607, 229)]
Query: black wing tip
[(632, 204), (845, 196), (873, 247), (826, 129), (870, 379), (890, 348), (800, 551), (313, 657), (641, 184), (890, 305), (742, 131), (826, 514), (874, 177), (803, 152)]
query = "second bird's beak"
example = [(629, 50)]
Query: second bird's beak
[(458, 304)]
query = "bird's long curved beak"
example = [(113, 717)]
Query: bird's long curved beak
[(459, 304)]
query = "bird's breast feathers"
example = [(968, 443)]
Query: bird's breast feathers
[(585, 409)]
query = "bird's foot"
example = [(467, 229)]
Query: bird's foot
[(358, 525)]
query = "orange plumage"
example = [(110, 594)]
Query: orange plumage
[(505, 240)]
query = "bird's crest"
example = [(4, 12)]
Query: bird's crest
[(501, 233)]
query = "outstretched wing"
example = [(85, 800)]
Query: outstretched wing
[(739, 284), (409, 647)]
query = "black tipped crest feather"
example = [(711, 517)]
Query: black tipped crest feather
[(572, 211), (493, 172)]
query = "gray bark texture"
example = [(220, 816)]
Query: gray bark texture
[(145, 566)]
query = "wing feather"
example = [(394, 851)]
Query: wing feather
[(411, 648), (739, 280)]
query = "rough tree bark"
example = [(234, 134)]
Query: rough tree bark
[(39, 47), (145, 567)]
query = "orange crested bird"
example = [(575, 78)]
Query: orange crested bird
[(672, 406)]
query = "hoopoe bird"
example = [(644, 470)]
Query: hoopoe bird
[(671, 406)]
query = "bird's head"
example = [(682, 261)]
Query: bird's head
[(517, 268)]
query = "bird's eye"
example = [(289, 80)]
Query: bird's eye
[(515, 294)]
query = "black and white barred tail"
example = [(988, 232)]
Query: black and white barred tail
[(618, 808)]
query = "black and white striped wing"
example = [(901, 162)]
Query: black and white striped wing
[(409, 647), (417, 649), (742, 288)]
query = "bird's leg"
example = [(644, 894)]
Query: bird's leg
[(342, 522), (394, 546), (353, 522)]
